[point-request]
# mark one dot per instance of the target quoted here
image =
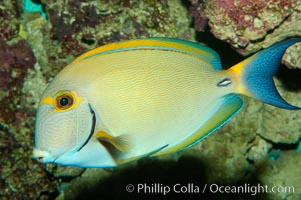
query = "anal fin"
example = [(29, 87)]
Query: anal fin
[(228, 106), (141, 156)]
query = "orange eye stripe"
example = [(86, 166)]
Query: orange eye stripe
[(46, 100)]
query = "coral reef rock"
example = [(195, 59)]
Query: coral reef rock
[(249, 25), (259, 143)]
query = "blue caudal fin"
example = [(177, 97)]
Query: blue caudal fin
[(256, 74)]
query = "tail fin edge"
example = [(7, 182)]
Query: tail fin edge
[(256, 74)]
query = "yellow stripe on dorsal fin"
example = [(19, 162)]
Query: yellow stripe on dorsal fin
[(120, 142), (172, 44)]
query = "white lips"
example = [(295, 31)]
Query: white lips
[(42, 156)]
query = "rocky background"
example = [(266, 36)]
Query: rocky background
[(261, 145)]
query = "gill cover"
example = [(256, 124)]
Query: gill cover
[(59, 130)]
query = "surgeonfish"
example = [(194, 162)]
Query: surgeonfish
[(146, 97)]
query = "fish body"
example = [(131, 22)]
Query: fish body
[(147, 97)]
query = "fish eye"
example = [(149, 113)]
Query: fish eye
[(64, 101)]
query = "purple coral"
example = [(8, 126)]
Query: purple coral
[(8, 30), (196, 10), (14, 60)]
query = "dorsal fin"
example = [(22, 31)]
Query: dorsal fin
[(169, 44)]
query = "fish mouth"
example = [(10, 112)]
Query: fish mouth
[(42, 156), (92, 127)]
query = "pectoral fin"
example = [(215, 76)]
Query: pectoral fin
[(122, 142)]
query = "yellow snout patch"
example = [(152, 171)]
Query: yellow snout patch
[(63, 101)]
